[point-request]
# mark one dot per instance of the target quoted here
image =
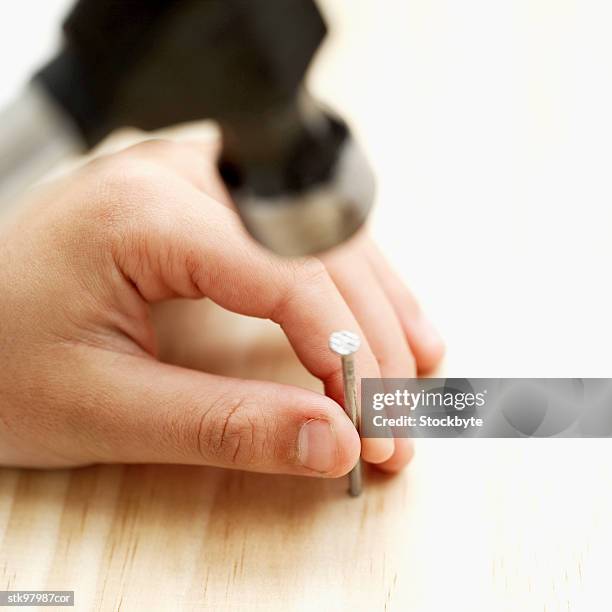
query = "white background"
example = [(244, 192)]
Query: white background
[(489, 125)]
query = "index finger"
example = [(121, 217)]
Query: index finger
[(196, 248)]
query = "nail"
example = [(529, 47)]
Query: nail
[(317, 446), (346, 344)]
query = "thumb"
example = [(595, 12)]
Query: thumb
[(141, 411)]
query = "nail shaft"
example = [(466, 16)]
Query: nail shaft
[(346, 345)]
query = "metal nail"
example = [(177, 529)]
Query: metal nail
[(346, 344)]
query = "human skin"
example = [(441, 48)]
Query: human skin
[(88, 256)]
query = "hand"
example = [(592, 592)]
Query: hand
[(80, 383)]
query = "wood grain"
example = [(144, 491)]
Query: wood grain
[(473, 531), (471, 525)]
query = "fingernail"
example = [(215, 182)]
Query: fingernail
[(317, 446)]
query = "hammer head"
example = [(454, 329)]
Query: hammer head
[(298, 179)]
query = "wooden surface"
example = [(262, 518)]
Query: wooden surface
[(477, 530), (489, 127), (471, 525)]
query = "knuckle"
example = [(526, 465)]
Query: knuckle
[(124, 185), (304, 276), (151, 146), (228, 434), (131, 191), (311, 271), (159, 148), (127, 211), (118, 172)]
